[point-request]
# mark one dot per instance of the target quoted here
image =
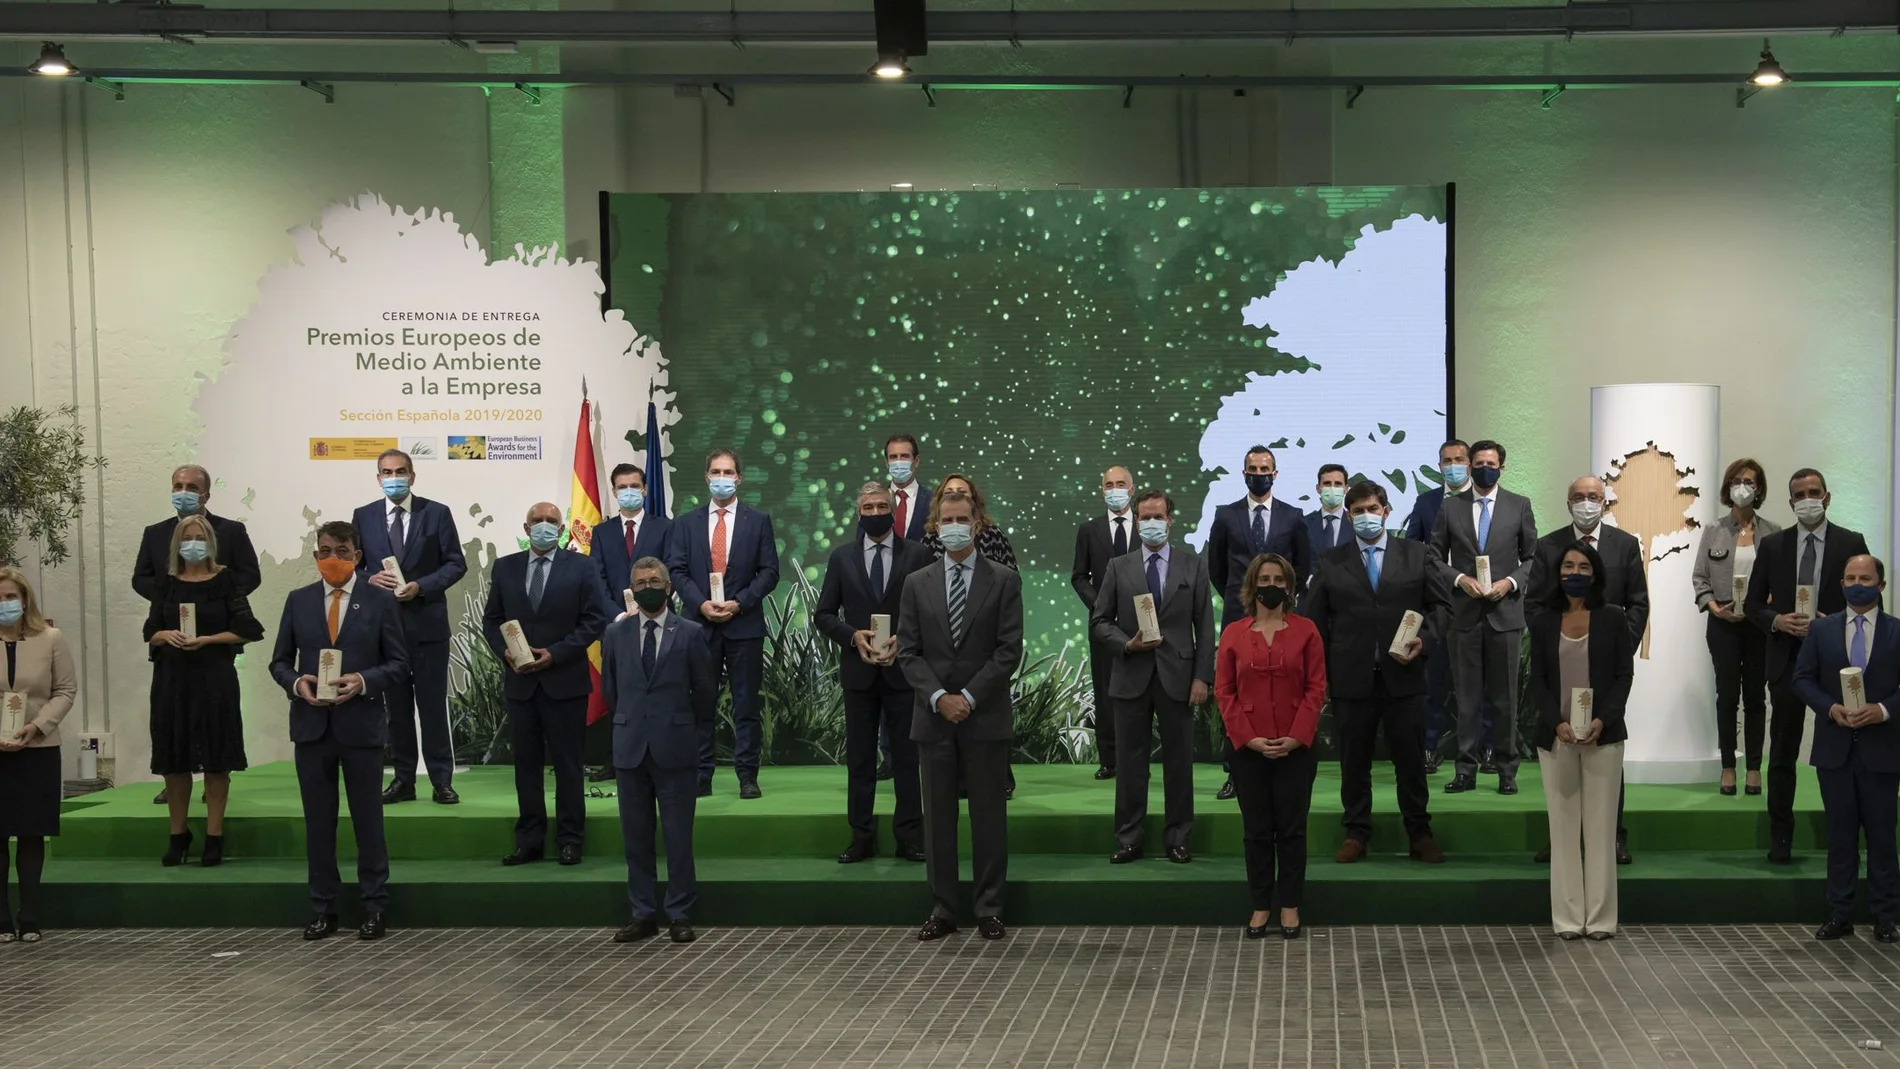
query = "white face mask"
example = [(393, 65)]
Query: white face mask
[(1586, 513), (1810, 510), (1742, 494)]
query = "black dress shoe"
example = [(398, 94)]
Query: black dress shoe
[(1461, 783), (373, 927), (446, 796), (322, 928), (1623, 850), (399, 791), (748, 788), (1507, 784), (1261, 932), (1781, 853), (859, 850), (1754, 789), (936, 928), (601, 774), (1728, 790), (1179, 855), (884, 771), (1886, 932), (991, 927), (521, 856), (642, 928), (570, 854), (705, 789), (681, 931), (1226, 790), (910, 852), (1489, 765), (160, 800), (1289, 933), (1105, 772), (1125, 854), (1432, 761), (1542, 857), (1835, 928)]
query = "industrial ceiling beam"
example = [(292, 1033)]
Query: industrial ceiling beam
[(147, 21)]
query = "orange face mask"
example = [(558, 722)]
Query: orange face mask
[(336, 572)]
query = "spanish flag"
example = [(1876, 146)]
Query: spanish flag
[(583, 513)]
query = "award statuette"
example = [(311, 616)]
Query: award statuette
[(1853, 689), (1581, 701), (1408, 630), (1484, 573), (1145, 619), (519, 652), (1738, 594), (329, 674), (716, 587), (394, 567), (880, 629), (187, 619), (12, 715), (1804, 601), (633, 607)]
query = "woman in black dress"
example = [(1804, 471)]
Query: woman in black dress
[(36, 673), (196, 722), (991, 542)]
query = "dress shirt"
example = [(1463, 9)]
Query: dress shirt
[(890, 559), (1872, 615), (343, 607), (640, 634), (390, 508), (1801, 547), (1127, 516), (632, 519), (1148, 554), (1594, 534), (1477, 512), (535, 555), (968, 567), (712, 526)]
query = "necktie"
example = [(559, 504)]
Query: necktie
[(539, 583), (395, 532), (1806, 577), (1332, 522), (1154, 578), (631, 535), (903, 512), (719, 544), (877, 569), (1589, 540), (1484, 523), (648, 648), (1372, 566), (1857, 650), (336, 611), (1121, 535), (958, 594), (1260, 528)]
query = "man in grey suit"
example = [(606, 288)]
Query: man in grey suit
[(1159, 679), (656, 676), (959, 642), (1487, 623)]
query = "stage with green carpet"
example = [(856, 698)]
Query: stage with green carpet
[(1699, 857)]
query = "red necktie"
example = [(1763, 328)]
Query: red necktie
[(719, 544), (628, 524), (1589, 540), (903, 511)]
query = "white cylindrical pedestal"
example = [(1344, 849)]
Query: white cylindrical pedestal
[(1657, 447)]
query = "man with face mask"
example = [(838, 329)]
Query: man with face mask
[(1454, 468), (1812, 554), (1856, 751), (1625, 584), (341, 733), (910, 499), (1099, 540), (1328, 525), (632, 532), (863, 578), (421, 535), (1358, 600), (1156, 681), (557, 598), (735, 542)]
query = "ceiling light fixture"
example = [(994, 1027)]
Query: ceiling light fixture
[(52, 61), (901, 36), (1768, 73)]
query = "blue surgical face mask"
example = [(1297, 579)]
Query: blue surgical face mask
[(185, 502), (1154, 533), (956, 537), (1486, 478), (900, 472), (396, 487), (1860, 595), (544, 535), (194, 550), (1116, 499), (1332, 497), (1368, 525), (11, 611), (722, 487), (1576, 584), (1455, 474), (630, 498)]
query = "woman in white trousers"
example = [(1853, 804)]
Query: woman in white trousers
[(1581, 662)]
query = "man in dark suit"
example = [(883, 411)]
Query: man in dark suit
[(960, 641), (656, 674), (1101, 539), (1487, 624), (1328, 526), (863, 578), (1358, 600), (1856, 750), (1159, 680), (557, 599), (619, 540), (343, 732), (736, 542), (910, 499), (1625, 585), (1813, 554), (421, 535), (1454, 467)]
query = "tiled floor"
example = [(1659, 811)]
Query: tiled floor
[(836, 997)]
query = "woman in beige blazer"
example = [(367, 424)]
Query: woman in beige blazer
[(37, 685)]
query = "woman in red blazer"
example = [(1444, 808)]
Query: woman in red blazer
[(1270, 678)]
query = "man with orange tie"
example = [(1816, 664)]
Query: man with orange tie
[(734, 542)]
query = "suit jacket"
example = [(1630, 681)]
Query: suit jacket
[(751, 566), (372, 643), (1817, 681), (431, 558), (846, 605), (1612, 667), (984, 663), (1625, 581), (43, 671), (658, 717), (608, 550), (1230, 547), (1094, 548), (1316, 534), (919, 513), (1356, 624), (574, 611), (1418, 526), (1185, 612), (1772, 581), (234, 552), (1512, 547)]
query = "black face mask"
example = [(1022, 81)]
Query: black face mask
[(649, 598), (877, 526), (1486, 478), (1259, 485), (1273, 597)]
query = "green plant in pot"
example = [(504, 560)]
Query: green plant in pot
[(43, 466)]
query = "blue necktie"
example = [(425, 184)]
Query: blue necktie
[(1484, 523), (1857, 649), (648, 648), (1372, 566), (1260, 528), (1154, 579), (1332, 526), (539, 584), (877, 569)]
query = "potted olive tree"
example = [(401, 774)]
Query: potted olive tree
[(43, 465)]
